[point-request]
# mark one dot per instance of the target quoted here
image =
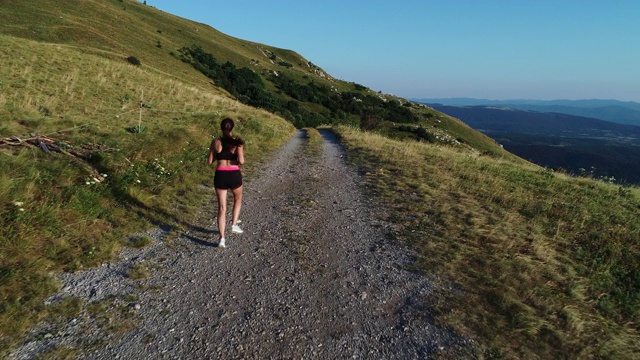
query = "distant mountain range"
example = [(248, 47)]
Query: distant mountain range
[(622, 112), (490, 119), (554, 139)]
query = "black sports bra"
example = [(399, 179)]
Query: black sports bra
[(226, 153)]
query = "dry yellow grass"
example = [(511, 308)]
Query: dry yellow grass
[(545, 262)]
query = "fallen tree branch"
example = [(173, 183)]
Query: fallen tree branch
[(50, 145)]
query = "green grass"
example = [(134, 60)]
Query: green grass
[(313, 145), (112, 316), (138, 272), (546, 264), (138, 241), (62, 212), (128, 28)]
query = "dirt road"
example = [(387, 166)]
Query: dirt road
[(314, 276)]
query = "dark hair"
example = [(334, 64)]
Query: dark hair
[(226, 125)]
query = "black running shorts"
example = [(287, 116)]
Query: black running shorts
[(227, 179)]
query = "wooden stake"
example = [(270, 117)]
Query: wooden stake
[(141, 105)]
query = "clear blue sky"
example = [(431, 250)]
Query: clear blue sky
[(491, 49)]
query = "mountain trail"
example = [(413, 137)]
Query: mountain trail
[(313, 276)]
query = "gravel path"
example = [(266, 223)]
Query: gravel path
[(313, 276)]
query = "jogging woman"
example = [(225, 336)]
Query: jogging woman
[(228, 151)]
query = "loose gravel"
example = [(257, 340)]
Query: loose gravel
[(313, 276)]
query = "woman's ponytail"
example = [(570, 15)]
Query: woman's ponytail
[(226, 126)]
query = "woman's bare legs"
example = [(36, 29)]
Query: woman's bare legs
[(222, 210), (237, 204)]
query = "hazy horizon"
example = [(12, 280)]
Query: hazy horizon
[(518, 99)]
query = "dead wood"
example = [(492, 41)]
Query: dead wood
[(50, 145)]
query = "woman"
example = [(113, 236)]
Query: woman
[(229, 152)]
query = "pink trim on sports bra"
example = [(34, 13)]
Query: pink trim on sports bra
[(228, 168)]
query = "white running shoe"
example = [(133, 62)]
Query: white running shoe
[(236, 229), (221, 243)]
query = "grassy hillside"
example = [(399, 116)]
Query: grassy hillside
[(297, 89), (532, 264), (128, 28), (104, 176), (125, 28)]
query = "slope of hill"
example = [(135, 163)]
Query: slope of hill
[(287, 84), (531, 255)]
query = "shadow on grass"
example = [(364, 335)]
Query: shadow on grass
[(330, 137), (157, 217)]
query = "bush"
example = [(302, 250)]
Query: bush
[(134, 61), (359, 87), (419, 132), (139, 241), (369, 121)]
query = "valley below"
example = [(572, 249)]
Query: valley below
[(613, 159), (574, 144)]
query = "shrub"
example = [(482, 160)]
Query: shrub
[(139, 241), (369, 121), (359, 87), (134, 61), (419, 132)]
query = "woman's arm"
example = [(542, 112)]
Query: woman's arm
[(212, 153), (240, 152)]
